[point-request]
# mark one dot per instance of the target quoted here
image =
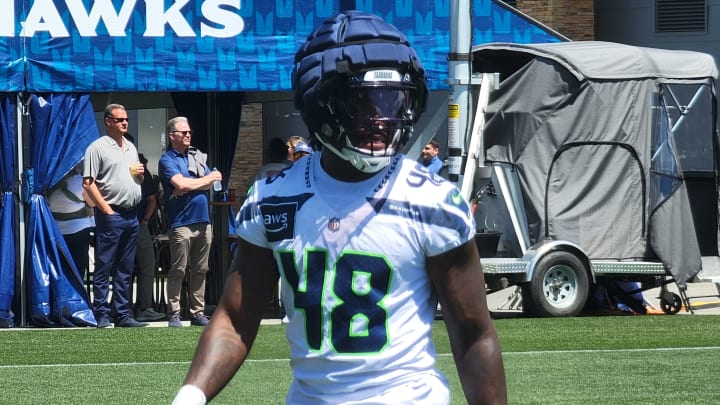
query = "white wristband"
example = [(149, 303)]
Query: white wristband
[(189, 395)]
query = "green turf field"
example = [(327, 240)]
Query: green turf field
[(586, 360)]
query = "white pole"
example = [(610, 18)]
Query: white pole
[(459, 80), (476, 148), (19, 111)]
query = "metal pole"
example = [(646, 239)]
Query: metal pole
[(459, 80), (219, 209), (476, 146), (19, 131)]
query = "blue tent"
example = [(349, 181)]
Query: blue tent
[(61, 127)]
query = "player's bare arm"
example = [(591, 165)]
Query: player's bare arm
[(226, 341), (458, 279)]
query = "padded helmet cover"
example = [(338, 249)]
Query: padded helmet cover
[(348, 44)]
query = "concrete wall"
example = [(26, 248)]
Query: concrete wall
[(248, 150)]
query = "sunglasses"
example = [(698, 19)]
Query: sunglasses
[(184, 133), (118, 120)]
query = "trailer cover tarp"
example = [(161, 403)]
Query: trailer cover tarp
[(587, 126)]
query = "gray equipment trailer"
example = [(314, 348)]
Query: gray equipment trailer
[(592, 164)]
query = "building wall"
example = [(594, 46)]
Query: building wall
[(624, 21), (248, 150), (633, 22), (572, 18)]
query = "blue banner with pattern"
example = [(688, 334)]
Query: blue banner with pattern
[(208, 45)]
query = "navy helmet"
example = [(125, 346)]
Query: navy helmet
[(360, 87)]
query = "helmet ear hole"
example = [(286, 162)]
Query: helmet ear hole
[(327, 130)]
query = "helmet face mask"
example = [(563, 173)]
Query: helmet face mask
[(372, 114)]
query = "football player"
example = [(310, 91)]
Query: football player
[(366, 242)]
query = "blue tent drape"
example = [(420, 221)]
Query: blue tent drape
[(61, 127), (8, 142)]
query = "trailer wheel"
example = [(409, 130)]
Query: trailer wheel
[(670, 303), (559, 286)]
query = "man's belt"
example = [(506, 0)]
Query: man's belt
[(123, 210), (67, 216)]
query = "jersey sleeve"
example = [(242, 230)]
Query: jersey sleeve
[(452, 223), (91, 165), (249, 220)]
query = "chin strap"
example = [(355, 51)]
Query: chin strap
[(356, 160)]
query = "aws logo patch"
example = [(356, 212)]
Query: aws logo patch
[(279, 220)]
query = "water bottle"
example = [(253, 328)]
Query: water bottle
[(217, 185)]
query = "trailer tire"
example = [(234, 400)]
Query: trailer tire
[(670, 303), (559, 286)]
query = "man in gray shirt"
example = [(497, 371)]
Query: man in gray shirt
[(112, 177)]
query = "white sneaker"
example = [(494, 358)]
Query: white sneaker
[(149, 315)]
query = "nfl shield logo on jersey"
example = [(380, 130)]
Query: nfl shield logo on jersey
[(334, 224)]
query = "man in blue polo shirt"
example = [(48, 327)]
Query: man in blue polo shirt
[(429, 156), (186, 178)]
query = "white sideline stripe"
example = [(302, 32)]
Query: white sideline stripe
[(145, 363), (531, 352), (649, 349)]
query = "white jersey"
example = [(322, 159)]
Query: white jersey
[(67, 204), (355, 288)]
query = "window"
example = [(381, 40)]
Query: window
[(689, 117)]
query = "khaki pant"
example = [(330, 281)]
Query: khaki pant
[(189, 253)]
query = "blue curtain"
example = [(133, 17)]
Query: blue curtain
[(61, 127), (8, 150), (229, 111)]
